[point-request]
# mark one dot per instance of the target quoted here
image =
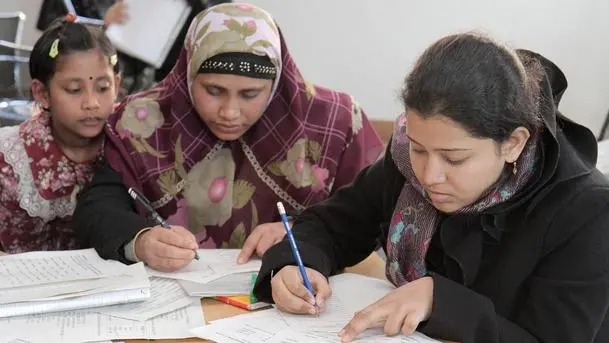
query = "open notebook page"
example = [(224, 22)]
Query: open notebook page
[(350, 293), (214, 264)]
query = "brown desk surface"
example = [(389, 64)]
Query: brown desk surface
[(373, 266)]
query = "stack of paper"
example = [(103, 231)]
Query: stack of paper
[(87, 326), (234, 284), (167, 296), (350, 293), (214, 264), (42, 282)]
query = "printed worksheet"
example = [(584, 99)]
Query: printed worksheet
[(167, 296), (350, 293), (87, 326), (214, 264)]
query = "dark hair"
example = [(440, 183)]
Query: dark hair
[(486, 88), (73, 37)]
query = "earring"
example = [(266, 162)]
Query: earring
[(515, 169), (42, 107)]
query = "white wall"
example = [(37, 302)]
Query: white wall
[(365, 47)]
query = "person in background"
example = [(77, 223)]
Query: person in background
[(111, 12), (174, 53), (494, 218), (117, 14), (53, 9), (47, 160), (231, 130), (114, 12)]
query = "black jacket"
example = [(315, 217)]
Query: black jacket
[(533, 269), (105, 217)]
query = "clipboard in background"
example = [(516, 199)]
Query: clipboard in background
[(246, 301), (151, 30)]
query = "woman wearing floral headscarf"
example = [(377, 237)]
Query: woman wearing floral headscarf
[(233, 129)]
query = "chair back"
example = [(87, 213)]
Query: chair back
[(384, 128), (11, 30), (11, 26)]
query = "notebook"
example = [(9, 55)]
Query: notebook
[(52, 281), (234, 289), (234, 284), (151, 30), (245, 301)]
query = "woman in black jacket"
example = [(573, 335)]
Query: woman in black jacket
[(493, 217)]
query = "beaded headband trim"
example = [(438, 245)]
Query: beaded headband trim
[(240, 63)]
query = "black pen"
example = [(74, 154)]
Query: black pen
[(137, 196)]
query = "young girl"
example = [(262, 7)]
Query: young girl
[(493, 215), (47, 159)]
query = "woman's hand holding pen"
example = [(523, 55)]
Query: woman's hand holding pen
[(166, 250), (402, 310), (291, 295)]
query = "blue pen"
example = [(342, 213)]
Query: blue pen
[(295, 251)]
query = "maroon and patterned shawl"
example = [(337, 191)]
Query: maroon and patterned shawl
[(309, 142)]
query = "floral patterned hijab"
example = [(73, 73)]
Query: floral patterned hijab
[(309, 141)]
